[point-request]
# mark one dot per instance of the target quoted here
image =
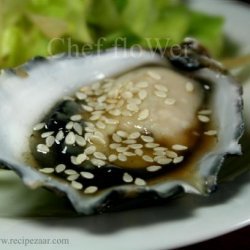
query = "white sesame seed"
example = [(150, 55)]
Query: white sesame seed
[(140, 182), (100, 125), (78, 128), (115, 112), (161, 88), (75, 118), (116, 138), (112, 158), (179, 147), (162, 160), (189, 87), (46, 170), (127, 95), (39, 126), (127, 178), (47, 134), (90, 129), (87, 175), (90, 124), (69, 125), (134, 135), (59, 135), (98, 162), (122, 133), (60, 168), (90, 150), (50, 141), (90, 190), (42, 148), (87, 108), (114, 145), (111, 121), (160, 94), (135, 146), (142, 84), (73, 177), (178, 159), (100, 155), (151, 145), (122, 157), (130, 141), (76, 185), (81, 158), (101, 98), (147, 158), (138, 152), (153, 168), (210, 132), (147, 138), (70, 172), (170, 101), (70, 138), (142, 94), (203, 118), (121, 149), (143, 115), (154, 75), (97, 139), (129, 154), (132, 107), (171, 154), (135, 101), (80, 140), (81, 96), (159, 153), (95, 117), (160, 149), (205, 112)]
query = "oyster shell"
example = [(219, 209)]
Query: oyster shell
[(27, 94)]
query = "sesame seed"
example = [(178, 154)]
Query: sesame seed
[(95, 117), (178, 159), (111, 121), (132, 107), (81, 158), (90, 124), (97, 139), (42, 148), (171, 154), (138, 152), (159, 153), (205, 112), (75, 118), (114, 145), (101, 98), (151, 145), (46, 170), (69, 125), (100, 125), (87, 108), (122, 157), (153, 168), (179, 147), (147, 158), (47, 134), (136, 101), (90, 190), (142, 94), (162, 160), (81, 96), (78, 128), (122, 133), (203, 118), (146, 138), (142, 84), (135, 146), (121, 149), (134, 135), (60, 168), (76, 185), (127, 178), (87, 175), (129, 154), (170, 101), (90, 150), (127, 95), (130, 141), (116, 138), (189, 87), (39, 126), (70, 138), (210, 133), (80, 140), (115, 112), (59, 135), (73, 177), (140, 182), (98, 162), (160, 94), (143, 115), (160, 149), (154, 75), (70, 172), (50, 141), (161, 88), (100, 155), (112, 158), (90, 129)]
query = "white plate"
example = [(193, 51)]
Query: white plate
[(181, 222)]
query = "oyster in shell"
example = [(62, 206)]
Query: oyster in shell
[(121, 127)]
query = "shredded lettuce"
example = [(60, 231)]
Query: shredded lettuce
[(41, 27)]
